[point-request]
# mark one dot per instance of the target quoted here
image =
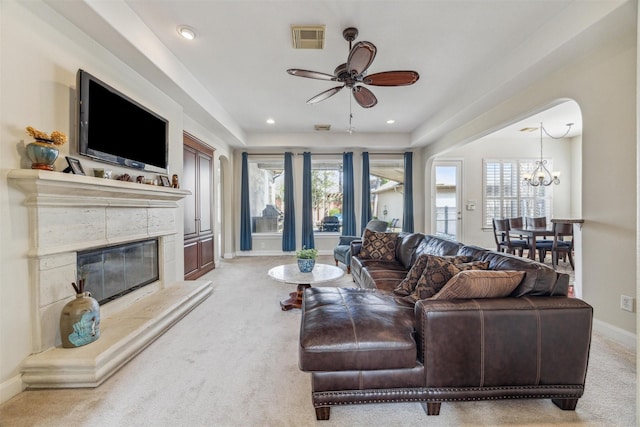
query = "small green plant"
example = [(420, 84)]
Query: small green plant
[(304, 253)]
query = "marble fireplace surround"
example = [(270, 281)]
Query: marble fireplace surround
[(71, 213)]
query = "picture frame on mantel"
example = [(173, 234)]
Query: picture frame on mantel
[(164, 181), (75, 166)]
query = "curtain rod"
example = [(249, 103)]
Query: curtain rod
[(325, 154), (337, 154)]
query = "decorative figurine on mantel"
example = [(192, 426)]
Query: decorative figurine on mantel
[(174, 181)]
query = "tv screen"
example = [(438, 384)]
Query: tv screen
[(115, 129)]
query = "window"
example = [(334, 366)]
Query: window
[(506, 195), (266, 194), (326, 199), (386, 178)]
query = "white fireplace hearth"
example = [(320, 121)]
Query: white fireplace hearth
[(72, 213)]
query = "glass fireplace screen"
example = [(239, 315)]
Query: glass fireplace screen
[(114, 271)]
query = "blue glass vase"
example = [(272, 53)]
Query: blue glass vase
[(306, 265), (42, 153)]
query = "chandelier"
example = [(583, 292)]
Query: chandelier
[(541, 175)]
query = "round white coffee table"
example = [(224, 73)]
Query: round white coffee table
[(290, 273)]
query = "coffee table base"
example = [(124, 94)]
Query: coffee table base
[(295, 298)]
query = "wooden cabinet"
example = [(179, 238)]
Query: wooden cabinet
[(198, 208)]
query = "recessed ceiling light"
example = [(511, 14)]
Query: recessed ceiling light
[(270, 121), (186, 32), (390, 121)]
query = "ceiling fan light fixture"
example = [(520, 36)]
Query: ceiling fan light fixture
[(308, 36), (186, 32)]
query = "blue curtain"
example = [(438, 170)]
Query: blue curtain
[(245, 208), (365, 216), (289, 227), (407, 219), (348, 197), (307, 205)]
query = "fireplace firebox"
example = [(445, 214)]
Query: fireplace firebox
[(111, 272)]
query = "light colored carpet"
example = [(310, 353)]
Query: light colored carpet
[(233, 361)]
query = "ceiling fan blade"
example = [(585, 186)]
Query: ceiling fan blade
[(360, 57), (364, 96), (324, 95), (311, 74), (392, 78)]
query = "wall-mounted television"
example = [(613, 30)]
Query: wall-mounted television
[(113, 128)]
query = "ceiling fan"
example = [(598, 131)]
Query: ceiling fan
[(354, 72)]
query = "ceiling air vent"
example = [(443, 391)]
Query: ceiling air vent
[(322, 127), (308, 36)]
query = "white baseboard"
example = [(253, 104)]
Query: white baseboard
[(624, 338), (275, 253), (11, 387)]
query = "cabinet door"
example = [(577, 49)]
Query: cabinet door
[(205, 180), (206, 253), (190, 159), (198, 211)]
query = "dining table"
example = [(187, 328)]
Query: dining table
[(532, 234)]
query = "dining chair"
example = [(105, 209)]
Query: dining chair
[(562, 244), (539, 221), (504, 242), (517, 222)]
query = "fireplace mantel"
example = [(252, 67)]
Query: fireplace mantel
[(70, 213), (51, 184)]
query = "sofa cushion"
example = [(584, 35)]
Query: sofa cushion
[(480, 284), (539, 280), (406, 248), (409, 283), (438, 272), (434, 245), (354, 329), (378, 245)]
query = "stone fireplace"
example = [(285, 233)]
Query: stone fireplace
[(69, 214)]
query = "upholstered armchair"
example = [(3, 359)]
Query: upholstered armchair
[(342, 252)]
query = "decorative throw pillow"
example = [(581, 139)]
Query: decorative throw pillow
[(409, 283), (378, 245), (481, 284), (438, 272)]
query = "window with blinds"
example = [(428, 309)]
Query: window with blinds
[(507, 195)]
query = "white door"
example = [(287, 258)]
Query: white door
[(447, 206)]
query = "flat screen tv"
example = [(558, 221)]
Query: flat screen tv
[(113, 128)]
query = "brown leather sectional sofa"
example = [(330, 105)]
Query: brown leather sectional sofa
[(363, 346)]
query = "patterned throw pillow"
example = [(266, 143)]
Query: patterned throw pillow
[(480, 284), (438, 272), (377, 245), (409, 283)]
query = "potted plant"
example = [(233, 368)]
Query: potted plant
[(306, 259)]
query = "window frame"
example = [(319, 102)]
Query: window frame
[(339, 167), (528, 200), (270, 159)]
